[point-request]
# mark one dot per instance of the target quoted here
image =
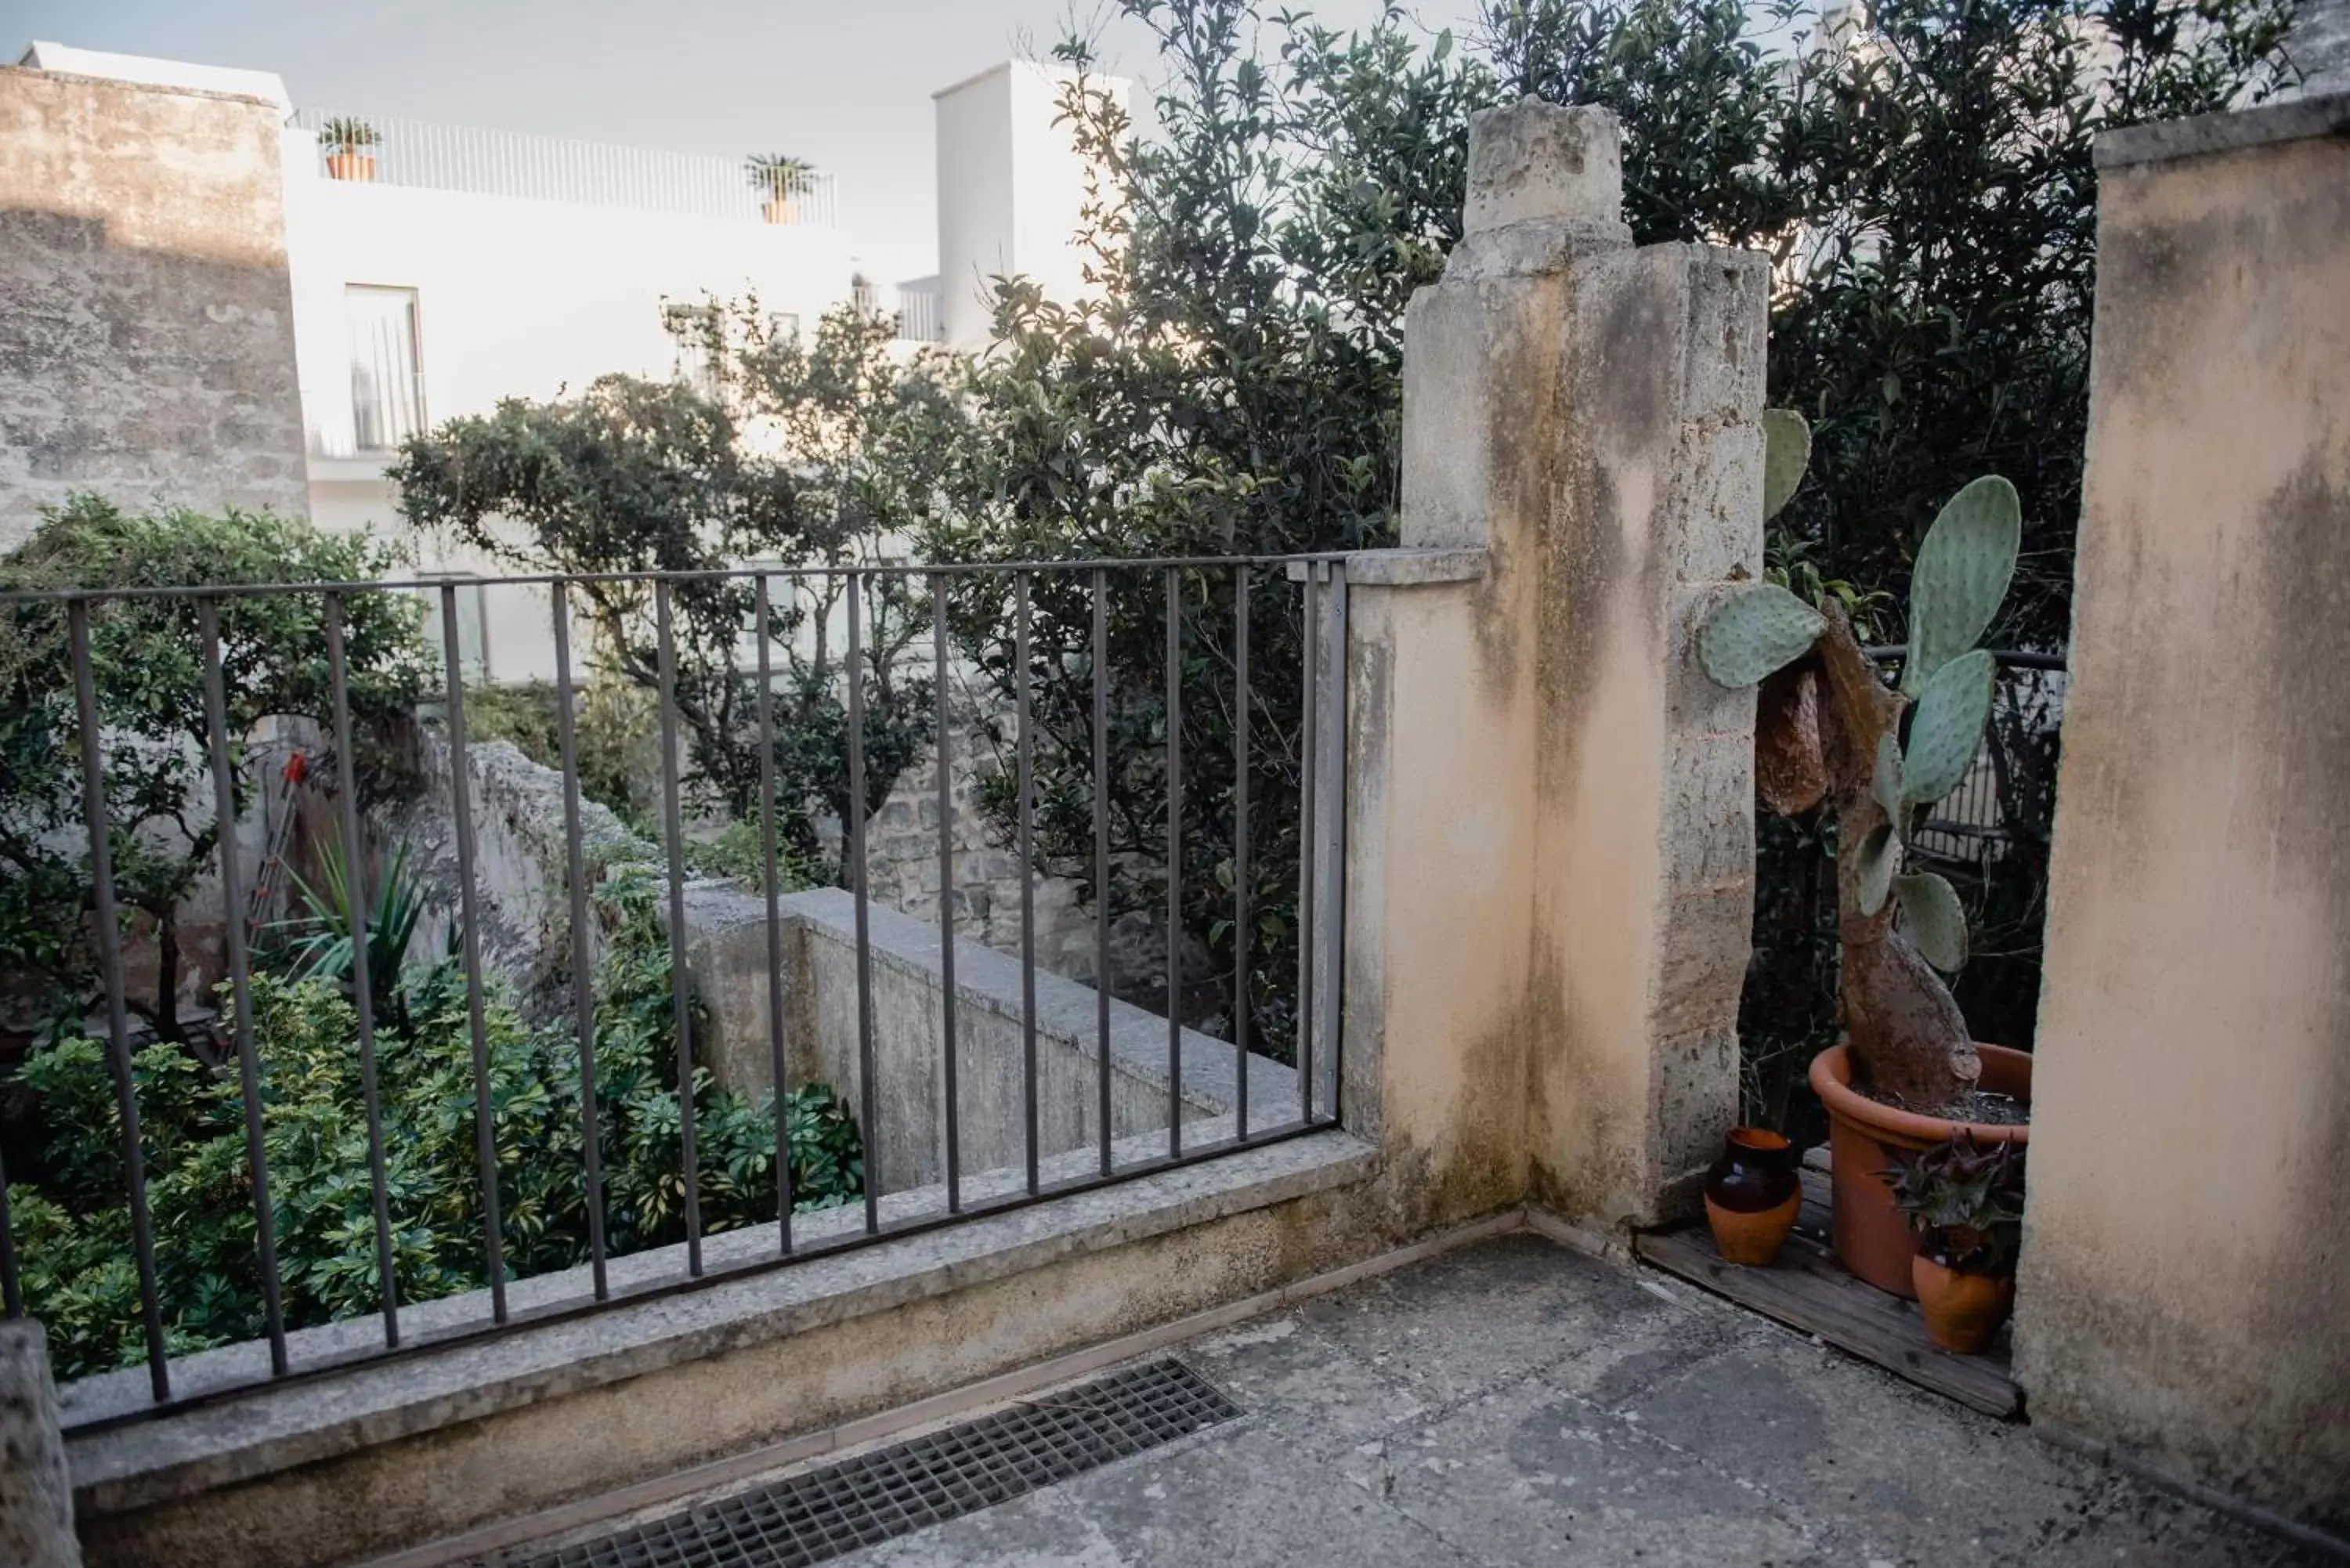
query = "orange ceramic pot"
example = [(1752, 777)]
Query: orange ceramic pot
[(1871, 1238), (782, 209), (1752, 1196), (351, 165), (1963, 1312)]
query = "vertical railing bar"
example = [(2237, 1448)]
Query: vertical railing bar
[(680, 998), (1174, 863), (110, 960), (362, 961), (1307, 779), (11, 1288), (460, 804), (1334, 844), (1101, 760), (778, 1066), (1241, 992), (583, 978), (868, 1091), (1027, 877), (946, 893), (240, 981)]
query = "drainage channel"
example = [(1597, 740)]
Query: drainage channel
[(821, 1513)]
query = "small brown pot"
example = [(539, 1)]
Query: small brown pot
[(1963, 1312), (1752, 1196), (782, 209), (351, 165), (1871, 1238)]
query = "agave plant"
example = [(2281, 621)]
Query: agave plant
[(1830, 732), (1965, 1201), (325, 949)]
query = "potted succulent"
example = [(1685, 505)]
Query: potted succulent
[(350, 140), (783, 178), (1964, 1199), (1831, 734)]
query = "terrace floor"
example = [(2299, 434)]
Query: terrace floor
[(1514, 1402)]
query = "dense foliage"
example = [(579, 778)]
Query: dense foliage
[(146, 655), (1924, 180), (73, 1230)]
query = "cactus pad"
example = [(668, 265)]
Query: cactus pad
[(1936, 923), (1884, 783), (1756, 630), (1786, 452), (1947, 729), (1881, 858), (1963, 571)]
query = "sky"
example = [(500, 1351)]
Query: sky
[(846, 84)]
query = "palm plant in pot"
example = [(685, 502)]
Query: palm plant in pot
[(783, 178), (350, 138), (1964, 1199), (1832, 735)]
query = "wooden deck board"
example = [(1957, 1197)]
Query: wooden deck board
[(1808, 1289)]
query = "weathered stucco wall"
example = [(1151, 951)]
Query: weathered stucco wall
[(1550, 839), (146, 324), (2186, 1241)]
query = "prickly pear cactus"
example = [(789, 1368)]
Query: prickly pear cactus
[(1963, 567), (1907, 1033), (1756, 630)]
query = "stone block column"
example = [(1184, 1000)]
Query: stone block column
[(1550, 836)]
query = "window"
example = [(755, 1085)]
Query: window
[(387, 367)]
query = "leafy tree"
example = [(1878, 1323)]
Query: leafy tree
[(146, 656), (805, 457), (73, 1227)]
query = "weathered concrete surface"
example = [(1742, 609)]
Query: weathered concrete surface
[(1550, 826), (396, 1453), (2186, 1238), (146, 324), (36, 1496), (1514, 1402)]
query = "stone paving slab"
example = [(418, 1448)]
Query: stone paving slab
[(1517, 1403)]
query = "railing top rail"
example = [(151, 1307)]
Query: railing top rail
[(741, 574)]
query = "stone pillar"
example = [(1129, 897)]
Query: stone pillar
[(2187, 1240), (1550, 836), (35, 1495)]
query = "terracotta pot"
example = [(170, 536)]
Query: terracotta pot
[(1963, 1312), (351, 165), (782, 209), (1871, 1238), (1752, 1196)]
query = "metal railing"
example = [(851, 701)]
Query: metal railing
[(560, 169), (920, 316), (1309, 618)]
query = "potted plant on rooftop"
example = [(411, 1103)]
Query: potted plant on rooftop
[(785, 181), (1964, 1199), (350, 140), (1831, 734)]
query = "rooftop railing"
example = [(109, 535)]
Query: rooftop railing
[(488, 162)]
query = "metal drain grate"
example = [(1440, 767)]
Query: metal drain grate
[(925, 1481)]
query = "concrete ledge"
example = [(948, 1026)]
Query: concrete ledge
[(1408, 568), (391, 1453), (2165, 139)]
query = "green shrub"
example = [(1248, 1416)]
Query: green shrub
[(73, 1227)]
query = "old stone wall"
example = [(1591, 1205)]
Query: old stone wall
[(146, 324), (2185, 1240)]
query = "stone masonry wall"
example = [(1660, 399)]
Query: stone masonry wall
[(146, 324)]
